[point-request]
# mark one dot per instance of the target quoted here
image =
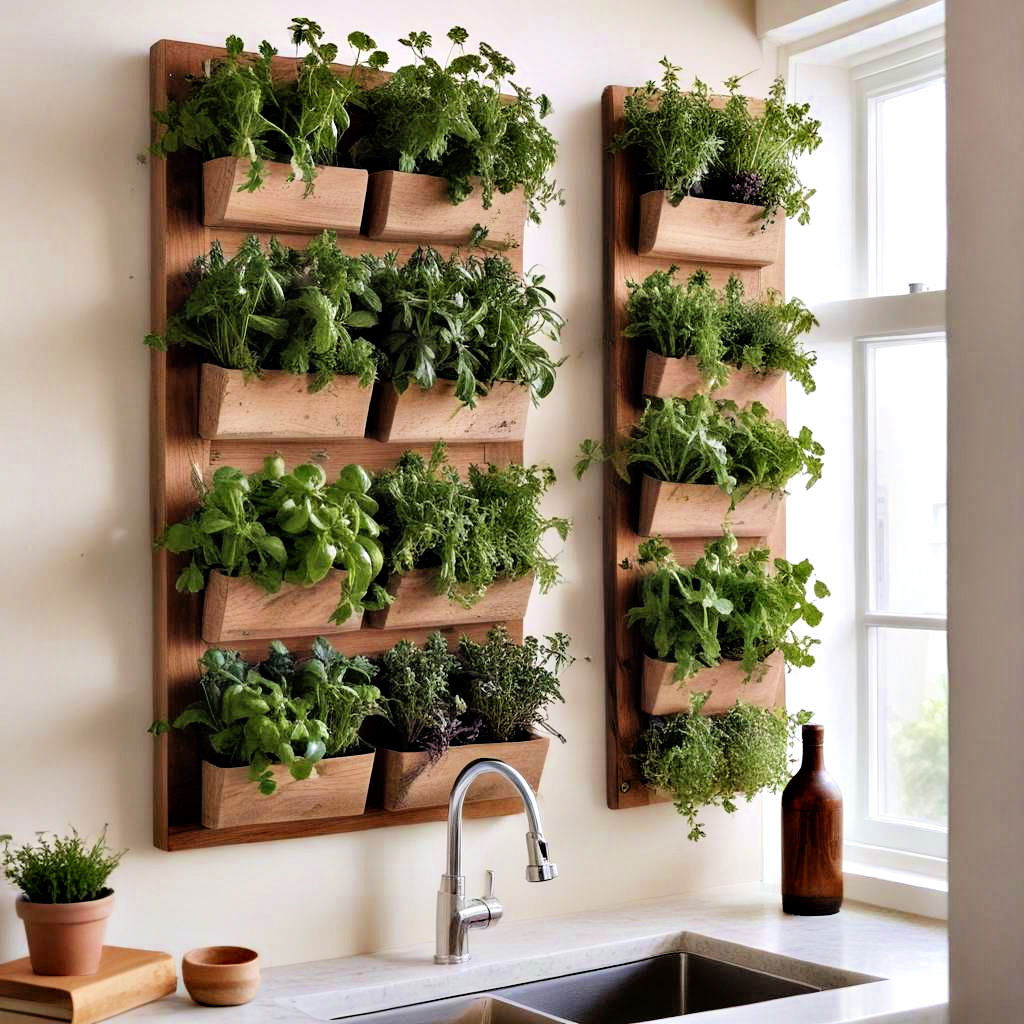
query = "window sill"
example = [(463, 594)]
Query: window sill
[(911, 883)]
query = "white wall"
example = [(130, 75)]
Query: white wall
[(75, 524), (985, 40)]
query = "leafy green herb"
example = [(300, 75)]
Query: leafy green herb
[(724, 606), (450, 120), (471, 531), (280, 308), (706, 761), (701, 441), (510, 685), (282, 711), (277, 527), (60, 870)]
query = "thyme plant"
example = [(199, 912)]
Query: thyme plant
[(64, 869)]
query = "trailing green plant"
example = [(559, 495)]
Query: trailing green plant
[(237, 108), (470, 320), (450, 120), (470, 531), (726, 606), (510, 685), (278, 527), (281, 711), (64, 869), (720, 331), (280, 308), (712, 761), (702, 441)]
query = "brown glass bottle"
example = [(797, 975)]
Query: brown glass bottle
[(812, 834)]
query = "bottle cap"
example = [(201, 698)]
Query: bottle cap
[(814, 733)]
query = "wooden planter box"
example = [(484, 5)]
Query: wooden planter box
[(238, 609), (410, 780), (699, 510), (665, 377), (416, 207), (337, 200), (418, 604), (437, 414), (279, 404), (663, 695), (708, 231), (338, 790)]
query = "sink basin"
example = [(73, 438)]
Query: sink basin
[(464, 1010)]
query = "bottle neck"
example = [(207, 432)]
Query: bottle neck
[(814, 751)]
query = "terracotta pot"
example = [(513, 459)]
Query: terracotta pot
[(65, 938), (221, 975)]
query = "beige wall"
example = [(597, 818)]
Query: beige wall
[(985, 41), (75, 525)]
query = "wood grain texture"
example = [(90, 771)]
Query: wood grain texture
[(336, 202), (338, 790), (278, 404), (418, 416), (412, 781), (665, 377), (623, 404), (700, 510), (708, 231), (418, 604), (662, 695), (402, 206)]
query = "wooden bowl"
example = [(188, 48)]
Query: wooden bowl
[(221, 975)]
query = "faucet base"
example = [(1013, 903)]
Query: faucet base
[(450, 958)]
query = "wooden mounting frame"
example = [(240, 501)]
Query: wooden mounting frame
[(623, 404), (178, 236)]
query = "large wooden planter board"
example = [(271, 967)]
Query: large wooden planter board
[(699, 510), (411, 780), (624, 390), (665, 377), (178, 453), (402, 207), (663, 695), (336, 202)]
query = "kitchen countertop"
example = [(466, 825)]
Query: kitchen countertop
[(743, 924)]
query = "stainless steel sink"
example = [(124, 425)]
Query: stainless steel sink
[(464, 1010)]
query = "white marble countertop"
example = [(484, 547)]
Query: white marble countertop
[(742, 924)]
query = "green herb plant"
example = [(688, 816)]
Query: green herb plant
[(64, 869), (282, 711), (712, 761), (277, 527), (726, 606), (470, 531)]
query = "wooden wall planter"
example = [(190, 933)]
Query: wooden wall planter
[(699, 510), (402, 207), (278, 404), (411, 781), (662, 695), (708, 231), (425, 416), (665, 377), (239, 609), (336, 202), (417, 603), (337, 790)]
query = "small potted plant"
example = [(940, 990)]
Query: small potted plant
[(458, 339), (723, 627), (64, 901), (722, 171), (461, 551), (283, 736), (448, 154), (705, 761), (273, 549), (708, 462), (281, 332), (447, 710)]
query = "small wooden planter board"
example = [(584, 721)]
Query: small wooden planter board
[(178, 451), (725, 683), (672, 378), (624, 401), (700, 510)]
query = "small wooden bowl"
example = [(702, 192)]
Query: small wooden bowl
[(221, 975)]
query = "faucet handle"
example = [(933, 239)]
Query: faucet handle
[(491, 903), (489, 894)]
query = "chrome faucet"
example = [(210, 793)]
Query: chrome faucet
[(455, 914)]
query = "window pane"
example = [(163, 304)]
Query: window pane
[(911, 740), (910, 189), (906, 497)]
